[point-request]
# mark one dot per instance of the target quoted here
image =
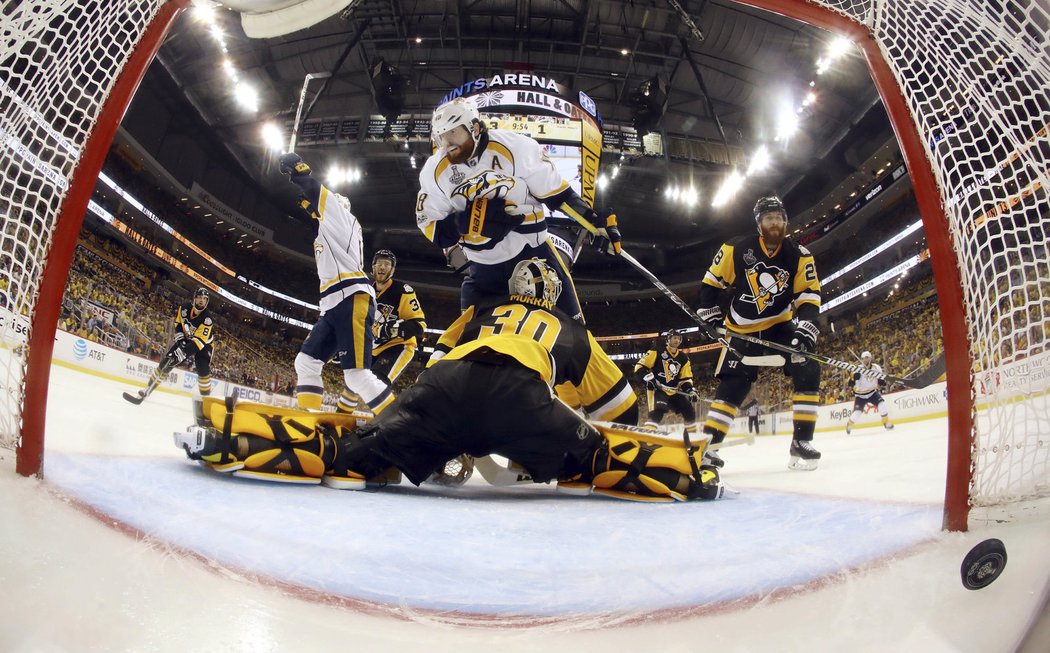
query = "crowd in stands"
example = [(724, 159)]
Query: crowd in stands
[(116, 298)]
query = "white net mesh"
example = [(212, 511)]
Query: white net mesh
[(976, 77), (59, 59)]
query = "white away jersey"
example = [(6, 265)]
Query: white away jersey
[(339, 251), (865, 386), (511, 166)]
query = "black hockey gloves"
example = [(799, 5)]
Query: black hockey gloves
[(713, 321), (486, 218), (607, 240), (291, 163), (805, 337)]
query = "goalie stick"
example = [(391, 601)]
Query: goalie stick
[(917, 383)]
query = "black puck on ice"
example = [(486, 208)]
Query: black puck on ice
[(983, 564)]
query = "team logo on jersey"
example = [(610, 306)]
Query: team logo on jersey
[(671, 369), (457, 175), (488, 184), (766, 282), (384, 313), (749, 258)]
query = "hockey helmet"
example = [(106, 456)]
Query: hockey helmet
[(457, 113), (865, 356), (387, 254), (768, 204), (202, 292), (673, 332), (533, 277)]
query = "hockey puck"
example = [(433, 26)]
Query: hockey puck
[(983, 564)]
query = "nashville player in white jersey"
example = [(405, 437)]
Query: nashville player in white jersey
[(485, 190), (347, 299), (868, 390)]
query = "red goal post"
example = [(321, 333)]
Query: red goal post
[(965, 83), (68, 69)]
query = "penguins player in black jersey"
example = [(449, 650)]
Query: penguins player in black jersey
[(775, 296), (194, 337)]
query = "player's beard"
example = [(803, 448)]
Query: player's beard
[(462, 154), (774, 235), (382, 277)]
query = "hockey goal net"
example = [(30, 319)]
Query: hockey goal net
[(68, 69), (965, 82)]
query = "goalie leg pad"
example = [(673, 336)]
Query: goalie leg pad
[(644, 470)]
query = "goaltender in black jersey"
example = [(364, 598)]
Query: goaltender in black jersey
[(491, 393)]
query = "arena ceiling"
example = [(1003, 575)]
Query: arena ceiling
[(729, 70)]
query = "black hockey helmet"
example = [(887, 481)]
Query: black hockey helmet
[(202, 292), (387, 254), (673, 332), (767, 204)]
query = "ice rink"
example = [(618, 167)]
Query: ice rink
[(128, 546)]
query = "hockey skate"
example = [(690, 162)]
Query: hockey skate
[(849, 427), (803, 456), (889, 427), (713, 459)]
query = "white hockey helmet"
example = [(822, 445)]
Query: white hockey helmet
[(456, 113), (533, 277), (865, 356)]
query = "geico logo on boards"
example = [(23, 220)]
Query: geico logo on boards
[(80, 349), (251, 394)]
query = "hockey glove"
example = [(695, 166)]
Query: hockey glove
[(713, 321), (291, 163), (607, 240), (389, 330), (650, 381), (179, 335), (486, 218), (805, 337)]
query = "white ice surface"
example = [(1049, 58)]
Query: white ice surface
[(128, 546)]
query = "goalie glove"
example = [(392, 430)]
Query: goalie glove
[(291, 163), (607, 240)]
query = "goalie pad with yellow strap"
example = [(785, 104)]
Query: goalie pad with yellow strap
[(626, 468), (268, 442)]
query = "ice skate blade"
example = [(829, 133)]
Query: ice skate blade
[(802, 465), (341, 483)]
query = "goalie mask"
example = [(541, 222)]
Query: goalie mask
[(535, 278)]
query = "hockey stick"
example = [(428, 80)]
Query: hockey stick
[(917, 383), (299, 111)]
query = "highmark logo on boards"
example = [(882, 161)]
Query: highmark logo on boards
[(80, 349)]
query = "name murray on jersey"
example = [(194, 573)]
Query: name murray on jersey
[(546, 340)]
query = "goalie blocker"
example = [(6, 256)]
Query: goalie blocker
[(294, 446)]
